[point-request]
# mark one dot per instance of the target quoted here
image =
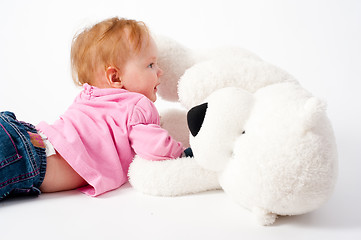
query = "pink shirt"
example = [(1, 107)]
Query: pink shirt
[(101, 132)]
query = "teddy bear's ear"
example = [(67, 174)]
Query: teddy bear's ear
[(315, 110), (173, 59)]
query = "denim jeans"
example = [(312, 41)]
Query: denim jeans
[(22, 165)]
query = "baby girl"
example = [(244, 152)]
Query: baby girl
[(113, 118)]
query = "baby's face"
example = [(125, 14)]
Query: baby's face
[(141, 72)]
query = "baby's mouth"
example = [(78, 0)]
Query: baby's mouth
[(156, 88)]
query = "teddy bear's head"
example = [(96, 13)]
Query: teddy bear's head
[(174, 59), (274, 149), (190, 76)]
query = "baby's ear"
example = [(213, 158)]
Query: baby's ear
[(113, 77)]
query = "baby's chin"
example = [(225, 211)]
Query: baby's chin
[(154, 95), (152, 98)]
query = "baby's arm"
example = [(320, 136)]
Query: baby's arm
[(169, 177), (147, 138), (152, 142)]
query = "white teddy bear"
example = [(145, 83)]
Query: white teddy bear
[(255, 133)]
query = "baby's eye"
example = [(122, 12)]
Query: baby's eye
[(151, 65)]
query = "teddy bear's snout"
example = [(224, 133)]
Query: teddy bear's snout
[(195, 118)]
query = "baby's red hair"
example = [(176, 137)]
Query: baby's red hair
[(107, 43)]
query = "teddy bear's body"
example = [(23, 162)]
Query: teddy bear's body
[(263, 139)]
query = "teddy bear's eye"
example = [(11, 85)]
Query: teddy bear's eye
[(243, 132)]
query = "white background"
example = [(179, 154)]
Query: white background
[(319, 42)]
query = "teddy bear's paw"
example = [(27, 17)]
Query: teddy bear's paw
[(263, 216), (171, 177)]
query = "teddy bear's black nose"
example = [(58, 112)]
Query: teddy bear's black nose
[(195, 118)]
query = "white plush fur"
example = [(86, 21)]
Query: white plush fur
[(285, 163), (265, 140), (171, 177), (248, 74), (174, 59), (223, 124), (175, 121)]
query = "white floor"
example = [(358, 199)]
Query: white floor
[(126, 214), (318, 41)]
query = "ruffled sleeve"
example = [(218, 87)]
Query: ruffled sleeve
[(147, 138)]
